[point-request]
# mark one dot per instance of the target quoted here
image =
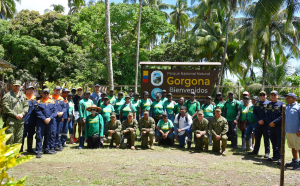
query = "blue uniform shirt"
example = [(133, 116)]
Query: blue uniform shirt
[(46, 110), (292, 118), (274, 113), (30, 117), (259, 110), (95, 97), (61, 106)]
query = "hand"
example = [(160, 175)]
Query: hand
[(176, 137), (19, 116), (111, 131), (261, 122), (198, 135), (62, 119), (124, 131), (69, 119), (131, 129), (144, 132), (47, 120), (83, 121), (218, 137), (165, 136), (179, 130), (147, 130), (298, 133), (235, 122), (272, 124), (202, 133), (59, 114)]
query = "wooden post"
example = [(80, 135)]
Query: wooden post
[(83, 88), (293, 89), (239, 89), (2, 77), (282, 145)]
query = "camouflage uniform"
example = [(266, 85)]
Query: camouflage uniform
[(116, 126), (197, 127), (148, 124), (126, 126), (218, 127), (15, 126)]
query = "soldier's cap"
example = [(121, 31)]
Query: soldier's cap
[(104, 93), (79, 88), (46, 90), (111, 90), (57, 87), (120, 93), (218, 109), (146, 111), (73, 89), (97, 85), (169, 94), (87, 92), (246, 97), (127, 96), (262, 92), (16, 82), (209, 97), (29, 86), (200, 112), (291, 94), (70, 94), (130, 90), (246, 93), (274, 92), (183, 107), (219, 93), (65, 90), (256, 98), (146, 93), (192, 93), (231, 92), (105, 97), (93, 107), (165, 114), (164, 91), (130, 114), (113, 114)]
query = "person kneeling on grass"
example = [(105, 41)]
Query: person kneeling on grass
[(129, 127), (165, 129), (113, 130), (200, 129), (94, 128), (218, 126), (147, 128)]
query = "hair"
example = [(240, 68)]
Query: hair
[(221, 98)]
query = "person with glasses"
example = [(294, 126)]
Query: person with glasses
[(76, 99), (94, 128), (261, 127)]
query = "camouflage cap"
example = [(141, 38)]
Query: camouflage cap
[(218, 109), (130, 114), (16, 82), (113, 114), (200, 112), (146, 111)]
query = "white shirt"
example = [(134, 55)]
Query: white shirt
[(182, 123), (242, 103)]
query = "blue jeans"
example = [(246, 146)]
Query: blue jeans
[(181, 139), (171, 117), (70, 126), (249, 129), (159, 135)]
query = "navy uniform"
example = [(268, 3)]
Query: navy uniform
[(274, 114), (261, 130), (57, 129), (45, 109), (65, 128), (30, 122)]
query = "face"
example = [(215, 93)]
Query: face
[(165, 118), (181, 100), (170, 98), (120, 96), (246, 101), (103, 95), (146, 96), (70, 98), (136, 97), (182, 111), (30, 91), (127, 100), (113, 119), (106, 101), (146, 115), (219, 98), (86, 96), (253, 101), (46, 95), (130, 93), (65, 94), (16, 88), (73, 91), (164, 94), (192, 97), (97, 89), (290, 100), (93, 111), (200, 116), (57, 91), (129, 118), (218, 113), (208, 101), (79, 91), (262, 97), (111, 93), (245, 95), (274, 97), (230, 96), (158, 97)]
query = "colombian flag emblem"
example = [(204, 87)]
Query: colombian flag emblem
[(145, 76)]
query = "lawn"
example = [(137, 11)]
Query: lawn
[(163, 166)]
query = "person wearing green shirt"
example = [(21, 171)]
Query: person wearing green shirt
[(208, 108), (232, 115), (164, 95), (118, 103), (157, 108), (169, 107), (192, 106), (94, 128), (126, 108), (145, 104), (219, 102), (101, 100), (136, 103), (250, 125), (106, 109), (178, 105), (165, 129), (244, 109), (111, 96)]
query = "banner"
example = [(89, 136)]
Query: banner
[(179, 82)]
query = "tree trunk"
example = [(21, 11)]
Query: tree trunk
[(178, 26), (138, 49), (265, 66), (109, 56), (225, 48)]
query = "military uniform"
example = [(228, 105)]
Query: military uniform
[(30, 123), (197, 127), (130, 136), (20, 104), (116, 126), (147, 124), (218, 126)]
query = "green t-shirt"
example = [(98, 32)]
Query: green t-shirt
[(145, 104), (244, 113), (127, 108), (100, 103), (164, 99), (157, 107), (71, 107), (83, 105), (105, 112), (94, 125), (136, 105), (117, 105), (111, 98), (169, 107), (250, 116), (208, 110), (232, 109), (165, 127), (177, 108), (192, 107), (219, 104)]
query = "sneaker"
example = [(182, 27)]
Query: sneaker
[(61, 148), (296, 167), (252, 153), (53, 151), (292, 164), (266, 155), (273, 159), (152, 147), (224, 153), (48, 152), (57, 149), (64, 145), (132, 148), (279, 162), (38, 155)]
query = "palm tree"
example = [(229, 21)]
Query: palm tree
[(108, 42), (75, 6), (8, 8), (138, 47)]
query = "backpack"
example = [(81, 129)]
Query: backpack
[(236, 108), (186, 117)]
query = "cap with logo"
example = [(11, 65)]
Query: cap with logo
[(57, 87), (262, 92), (274, 92), (65, 90), (29, 86), (291, 95), (97, 85), (46, 90)]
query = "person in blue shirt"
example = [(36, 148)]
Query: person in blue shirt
[(96, 96), (292, 129), (273, 119), (261, 127)]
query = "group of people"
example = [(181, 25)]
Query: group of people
[(104, 118)]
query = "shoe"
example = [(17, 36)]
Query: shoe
[(75, 140), (273, 159), (38, 155), (132, 148), (266, 155), (292, 164), (57, 149), (61, 148), (64, 145), (80, 142), (252, 153), (152, 147), (189, 143), (53, 151), (117, 146), (48, 152), (279, 162), (243, 144), (29, 145), (296, 167)]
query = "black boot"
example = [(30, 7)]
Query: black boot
[(21, 150), (189, 143), (29, 145)]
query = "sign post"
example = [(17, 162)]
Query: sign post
[(282, 145)]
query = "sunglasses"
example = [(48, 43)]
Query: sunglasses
[(261, 94), (93, 109), (46, 93)]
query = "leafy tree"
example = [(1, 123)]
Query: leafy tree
[(56, 8), (8, 8)]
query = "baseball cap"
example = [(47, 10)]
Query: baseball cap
[(274, 92), (169, 94), (29, 86), (146, 111), (130, 90), (111, 90), (192, 93), (219, 93), (146, 93), (127, 96), (164, 114), (70, 94), (46, 90), (164, 91), (231, 92), (87, 92), (246, 93), (105, 97), (16, 82), (73, 89), (97, 85), (291, 94), (218, 109), (200, 112), (137, 94), (121, 93), (209, 97), (65, 90), (256, 98), (57, 87), (183, 107), (79, 88), (262, 92), (113, 114), (130, 114)]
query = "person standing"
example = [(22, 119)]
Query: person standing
[(261, 127), (250, 125), (169, 107), (65, 127), (180, 103), (113, 130), (15, 107), (106, 110), (292, 129), (111, 96), (273, 119), (76, 99), (244, 95), (71, 117), (73, 91), (208, 108), (136, 102), (232, 115), (96, 96), (94, 128), (129, 127), (192, 105), (145, 104), (118, 103), (219, 102), (126, 108), (200, 129), (244, 110), (164, 95), (147, 128), (101, 100), (157, 108)]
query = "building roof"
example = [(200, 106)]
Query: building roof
[(5, 64)]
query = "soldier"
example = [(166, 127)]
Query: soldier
[(126, 108), (29, 120), (273, 119), (106, 110), (15, 107), (169, 107), (200, 129), (64, 134), (145, 104), (118, 103), (136, 103), (129, 127), (192, 106), (147, 128), (180, 103), (83, 113), (164, 95), (165, 129), (113, 130), (218, 126), (46, 112), (157, 108), (94, 128), (57, 129), (182, 126), (96, 96), (111, 96)]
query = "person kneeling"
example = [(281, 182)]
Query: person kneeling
[(129, 127), (165, 129), (94, 128), (200, 129), (147, 128), (113, 130), (218, 126)]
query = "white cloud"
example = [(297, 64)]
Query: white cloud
[(41, 5)]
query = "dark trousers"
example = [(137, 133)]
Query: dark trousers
[(29, 130), (275, 137), (261, 130), (43, 131), (59, 126), (123, 118), (64, 134), (93, 144)]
